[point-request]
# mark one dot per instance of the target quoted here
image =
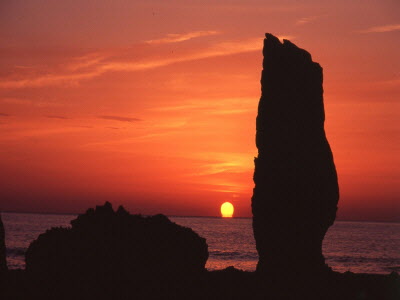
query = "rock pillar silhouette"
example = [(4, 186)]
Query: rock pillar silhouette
[(296, 189)]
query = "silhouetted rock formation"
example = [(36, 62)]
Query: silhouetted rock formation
[(103, 244), (3, 263), (296, 189)]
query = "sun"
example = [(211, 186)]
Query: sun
[(227, 210)]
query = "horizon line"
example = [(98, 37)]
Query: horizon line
[(193, 216)]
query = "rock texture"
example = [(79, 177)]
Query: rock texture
[(3, 263), (103, 243), (296, 189)]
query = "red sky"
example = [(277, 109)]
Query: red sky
[(152, 104)]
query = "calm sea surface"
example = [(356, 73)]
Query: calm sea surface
[(360, 247)]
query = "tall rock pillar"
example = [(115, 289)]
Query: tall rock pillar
[(296, 189)]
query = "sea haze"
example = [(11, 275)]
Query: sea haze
[(361, 247)]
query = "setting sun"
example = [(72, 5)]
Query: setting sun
[(227, 210)]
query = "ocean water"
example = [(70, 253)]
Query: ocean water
[(361, 247)]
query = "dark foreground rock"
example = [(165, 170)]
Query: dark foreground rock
[(104, 245), (3, 263), (296, 189), (225, 284)]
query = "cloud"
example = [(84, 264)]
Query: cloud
[(306, 20), (16, 101), (223, 106), (385, 85), (4, 115), (115, 128), (181, 37), (87, 61), (57, 117), (48, 79), (224, 162), (97, 69), (28, 102), (119, 118), (231, 111), (380, 29), (24, 134)]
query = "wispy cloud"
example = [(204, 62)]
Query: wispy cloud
[(231, 111), (48, 79), (307, 20), (156, 135), (57, 117), (15, 101), (23, 134), (97, 69), (380, 29), (86, 61), (181, 37), (221, 107), (224, 162), (385, 85), (120, 118), (220, 167), (4, 115), (224, 187), (29, 102)]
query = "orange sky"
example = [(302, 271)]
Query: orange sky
[(152, 104)]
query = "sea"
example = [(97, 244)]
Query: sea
[(359, 247)]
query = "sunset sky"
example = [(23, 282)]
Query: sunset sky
[(152, 104)]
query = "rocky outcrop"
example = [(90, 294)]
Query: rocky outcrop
[(3, 263), (296, 189), (103, 243)]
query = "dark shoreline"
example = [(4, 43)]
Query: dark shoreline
[(229, 283)]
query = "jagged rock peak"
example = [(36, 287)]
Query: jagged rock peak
[(272, 43)]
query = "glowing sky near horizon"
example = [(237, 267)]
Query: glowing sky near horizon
[(152, 104)]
